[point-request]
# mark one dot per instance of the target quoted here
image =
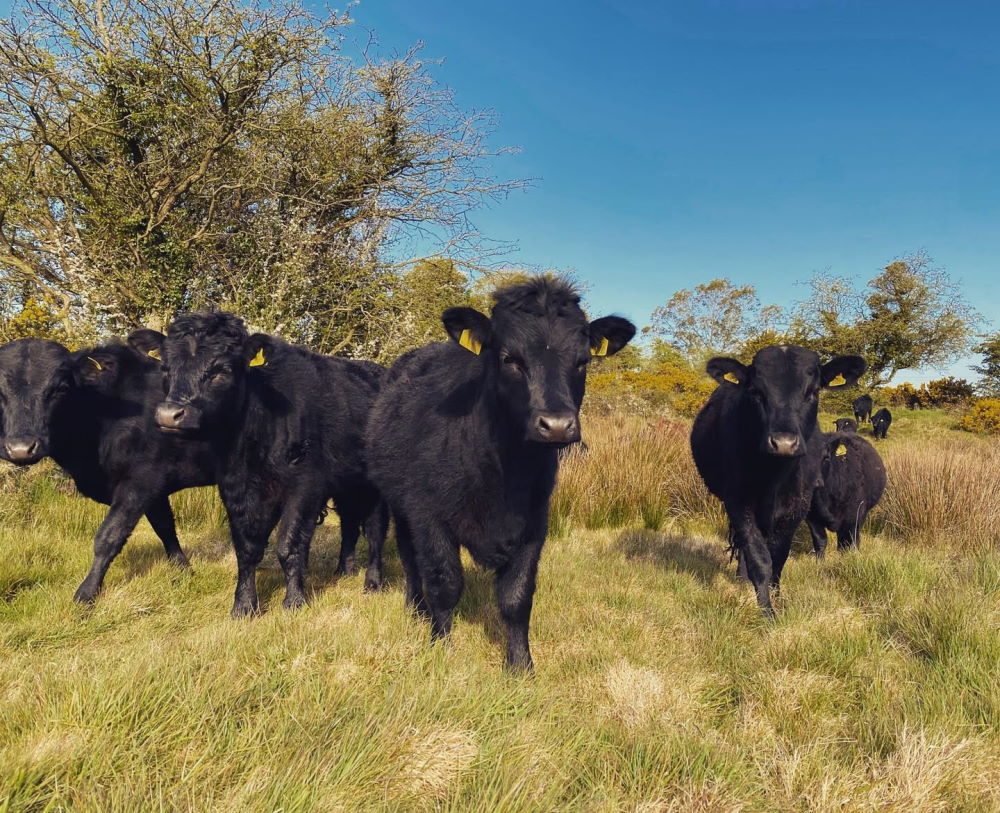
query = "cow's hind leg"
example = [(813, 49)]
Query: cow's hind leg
[(376, 529), (407, 555), (127, 508), (295, 533), (350, 530), (161, 518)]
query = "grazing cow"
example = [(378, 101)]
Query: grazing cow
[(286, 429), (862, 408), (881, 421), (846, 425), (464, 441), (93, 413), (756, 443), (852, 481)]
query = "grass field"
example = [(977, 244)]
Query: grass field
[(658, 685)]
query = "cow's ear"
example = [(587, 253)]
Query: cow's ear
[(469, 328), (609, 334), (95, 368), (842, 371), (259, 350), (728, 370), (147, 343)]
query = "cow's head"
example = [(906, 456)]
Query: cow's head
[(836, 451), (539, 343), (782, 387), (846, 425), (205, 358), (37, 377)]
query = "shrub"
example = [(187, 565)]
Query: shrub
[(671, 388), (983, 416)]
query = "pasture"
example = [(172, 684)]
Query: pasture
[(658, 685)]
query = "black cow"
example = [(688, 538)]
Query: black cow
[(93, 413), (881, 421), (852, 482), (286, 428), (756, 444), (846, 425), (862, 408), (464, 441)]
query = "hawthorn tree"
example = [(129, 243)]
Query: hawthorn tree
[(164, 156)]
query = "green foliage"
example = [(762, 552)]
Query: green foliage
[(983, 416), (989, 368), (909, 316), (715, 318), (941, 393), (168, 156), (677, 389)]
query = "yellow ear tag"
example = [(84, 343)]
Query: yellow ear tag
[(841, 449), (602, 350), (154, 354), (470, 342), (731, 378), (95, 362), (837, 381), (258, 360)]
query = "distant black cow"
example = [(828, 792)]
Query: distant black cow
[(464, 440), (756, 444), (286, 427), (93, 413), (862, 408), (881, 421), (852, 482), (846, 425)]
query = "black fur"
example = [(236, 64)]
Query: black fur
[(464, 447), (286, 427), (852, 481), (862, 408), (846, 425), (93, 413), (756, 444), (881, 421)]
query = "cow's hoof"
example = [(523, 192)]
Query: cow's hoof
[(179, 560), (85, 594), (346, 568), (374, 584), (294, 602), (245, 609)]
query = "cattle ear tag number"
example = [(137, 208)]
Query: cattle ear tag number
[(470, 342), (838, 380), (95, 362), (602, 349), (841, 450), (258, 360), (154, 354), (731, 378)]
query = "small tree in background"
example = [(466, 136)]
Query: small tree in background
[(989, 368)]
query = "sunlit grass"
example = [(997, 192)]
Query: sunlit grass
[(658, 685)]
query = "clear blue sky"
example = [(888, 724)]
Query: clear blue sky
[(676, 142)]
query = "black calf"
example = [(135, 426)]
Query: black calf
[(862, 408), (881, 421)]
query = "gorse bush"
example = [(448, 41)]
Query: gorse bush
[(983, 416), (938, 394), (668, 388)]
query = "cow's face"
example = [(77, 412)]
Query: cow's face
[(835, 453), (204, 370), (539, 343), (782, 387), (36, 378), (846, 425)]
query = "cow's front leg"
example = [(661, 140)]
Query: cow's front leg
[(515, 586), (127, 507), (754, 555), (295, 533)]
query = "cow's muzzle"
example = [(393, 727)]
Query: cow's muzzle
[(784, 444), (554, 427), (174, 417), (24, 451)]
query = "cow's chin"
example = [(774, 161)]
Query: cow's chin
[(179, 430)]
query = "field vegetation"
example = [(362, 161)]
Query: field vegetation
[(658, 685)]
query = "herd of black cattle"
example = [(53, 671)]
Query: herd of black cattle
[(457, 443)]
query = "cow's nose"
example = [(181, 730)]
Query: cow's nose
[(23, 450), (557, 427), (784, 444), (170, 415)]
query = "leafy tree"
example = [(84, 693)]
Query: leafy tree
[(163, 156), (420, 297), (717, 317), (908, 317), (989, 368)]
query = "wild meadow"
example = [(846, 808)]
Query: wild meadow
[(658, 685)]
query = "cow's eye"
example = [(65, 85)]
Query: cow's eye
[(512, 363), (219, 375)]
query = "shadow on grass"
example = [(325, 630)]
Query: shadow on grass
[(678, 553)]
